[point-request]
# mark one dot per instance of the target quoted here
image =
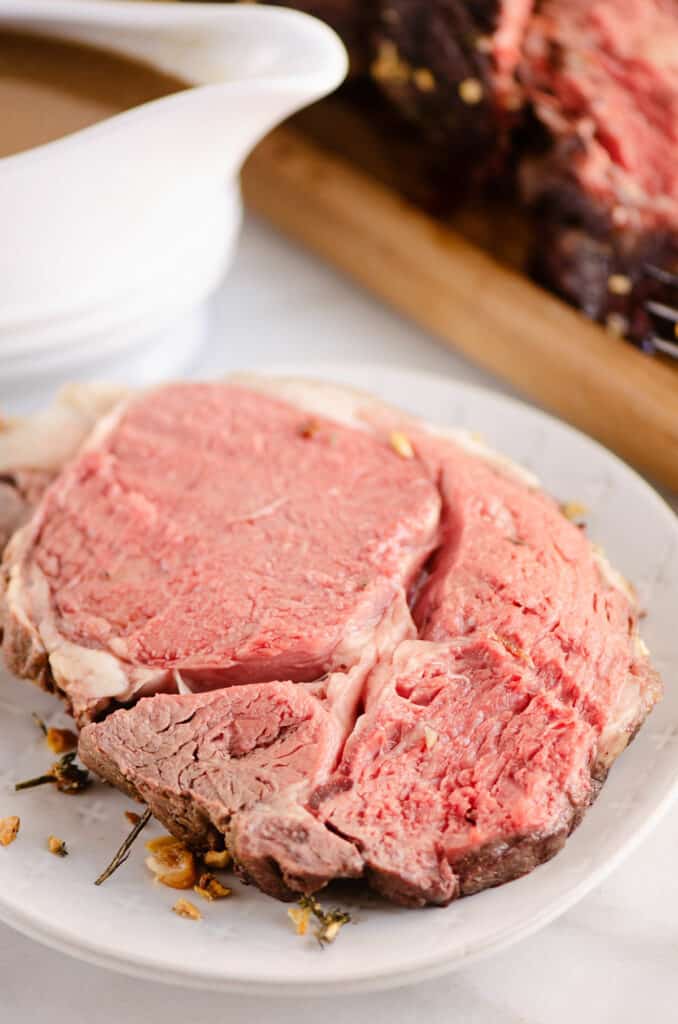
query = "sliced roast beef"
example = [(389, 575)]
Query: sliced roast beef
[(485, 732), (484, 741), (210, 534), (520, 571), (240, 765), (449, 66), (602, 80), (462, 774), (202, 762)]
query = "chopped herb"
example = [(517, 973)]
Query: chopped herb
[(40, 724), (39, 780), (123, 853), (64, 774), (330, 922)]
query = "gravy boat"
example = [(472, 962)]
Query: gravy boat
[(111, 234)]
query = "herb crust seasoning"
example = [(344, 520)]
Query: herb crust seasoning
[(567, 106), (328, 922), (602, 83), (449, 66)]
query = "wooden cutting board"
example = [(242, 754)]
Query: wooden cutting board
[(327, 182)]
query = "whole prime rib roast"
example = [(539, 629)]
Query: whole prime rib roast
[(297, 622), (571, 106), (602, 81)]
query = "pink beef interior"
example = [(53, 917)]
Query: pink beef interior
[(487, 738), (491, 710), (512, 20), (435, 668), (223, 534), (465, 753), (518, 571), (232, 760), (229, 749)]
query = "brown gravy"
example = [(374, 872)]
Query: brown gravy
[(50, 88)]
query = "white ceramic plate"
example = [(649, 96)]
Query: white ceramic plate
[(246, 943)]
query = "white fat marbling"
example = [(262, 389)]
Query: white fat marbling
[(613, 958)]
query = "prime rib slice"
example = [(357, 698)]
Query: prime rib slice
[(602, 80), (489, 717), (209, 534), (239, 765)]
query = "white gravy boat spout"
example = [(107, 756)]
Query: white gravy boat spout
[(113, 231)]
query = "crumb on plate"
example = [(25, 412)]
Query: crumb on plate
[(57, 846), (210, 888), (9, 829), (184, 908), (171, 862)]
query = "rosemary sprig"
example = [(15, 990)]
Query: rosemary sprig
[(39, 780), (124, 851), (39, 722), (67, 776)]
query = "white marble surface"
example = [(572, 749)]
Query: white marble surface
[(614, 958)]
